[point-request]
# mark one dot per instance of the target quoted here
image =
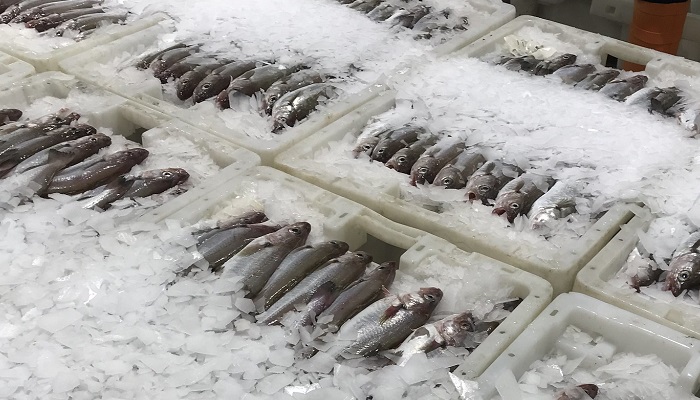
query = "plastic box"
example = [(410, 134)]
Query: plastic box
[(364, 229), (13, 69), (626, 331), (20, 46)]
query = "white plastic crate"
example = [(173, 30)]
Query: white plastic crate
[(13, 69), (559, 265), (31, 50), (627, 332), (129, 119), (364, 229)]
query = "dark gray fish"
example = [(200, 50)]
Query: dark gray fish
[(664, 100), (220, 78), (90, 22), (80, 149), (249, 218), (298, 104), (404, 159), (360, 294), (620, 89), (9, 115), (169, 58), (296, 266), (455, 174), (408, 18), (54, 8), (518, 195), (450, 331), (364, 6), (586, 391), (341, 271), (367, 144), (33, 131), (395, 140), (156, 181), (253, 81), (288, 84), (93, 174), (189, 80), (16, 9), (597, 80), (573, 74), (382, 12), (321, 299), (4, 4), (45, 123), (433, 160), (546, 67), (184, 66), (146, 61), (685, 266), (488, 180), (42, 176), (260, 258), (110, 193), (524, 63)]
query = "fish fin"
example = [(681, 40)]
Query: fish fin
[(325, 292), (390, 312), (386, 292), (518, 186), (489, 167)]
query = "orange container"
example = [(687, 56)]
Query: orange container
[(657, 26)]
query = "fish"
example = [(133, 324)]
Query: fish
[(359, 295), (296, 266), (42, 176), (489, 179), (16, 9), (524, 63), (187, 83), (404, 159), (111, 192), (395, 140), (450, 331), (90, 22), (298, 104), (54, 20), (620, 89), (253, 81), (256, 262), (249, 218), (367, 144), (321, 299), (169, 58), (684, 269), (288, 84), (518, 195), (648, 271), (573, 74), (183, 66), (581, 392), (546, 67), (382, 12), (369, 334), (341, 271), (597, 80), (455, 173), (46, 123), (364, 5), (92, 174), (54, 8), (408, 18), (4, 4), (79, 148), (557, 203), (433, 160), (664, 100), (146, 60), (9, 115), (220, 78), (33, 131)]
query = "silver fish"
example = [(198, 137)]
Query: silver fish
[(298, 104), (450, 331), (620, 89), (288, 84), (547, 67), (557, 203), (573, 74), (249, 218), (597, 80), (253, 81), (81, 149), (685, 266)]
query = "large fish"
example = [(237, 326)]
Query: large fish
[(298, 104), (403, 160), (92, 174), (597, 80), (546, 67), (518, 195), (253, 81), (450, 331), (488, 180), (260, 258), (220, 79), (395, 140), (8, 115), (557, 203), (685, 266), (341, 271), (620, 89), (455, 174), (296, 266), (288, 84), (573, 74), (81, 149)]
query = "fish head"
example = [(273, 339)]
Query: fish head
[(136, 155), (187, 84), (424, 170), (361, 257), (366, 146), (385, 272), (269, 100), (401, 162), (338, 246), (455, 329), (382, 150), (449, 178), (282, 117), (685, 273), (94, 142), (511, 204), (169, 176), (481, 187), (429, 298), (294, 233), (209, 87), (638, 80), (566, 59)]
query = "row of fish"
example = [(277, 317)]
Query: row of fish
[(416, 16), (56, 154), (80, 16), (670, 101), (289, 93), (323, 285), (449, 163)]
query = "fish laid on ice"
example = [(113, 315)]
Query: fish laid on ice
[(433, 160), (404, 159), (298, 104), (395, 140), (367, 144), (546, 67), (597, 80), (489, 179), (557, 203), (573, 74), (455, 174), (685, 266), (450, 331), (288, 84), (518, 195), (253, 81), (80, 149), (620, 89), (219, 79)]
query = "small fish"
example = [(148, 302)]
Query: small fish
[(395, 140), (664, 100), (288, 84), (9, 115), (33, 131), (155, 181), (524, 63), (81, 149), (296, 266), (187, 83), (573, 74), (253, 81), (433, 160), (404, 159), (409, 18), (557, 203), (581, 392), (518, 195), (249, 218), (367, 144), (54, 20), (546, 67), (16, 9), (220, 79), (685, 266), (54, 8), (488, 180), (146, 60), (183, 66), (90, 22), (450, 331), (46, 123), (298, 104), (382, 12), (341, 271), (256, 262), (4, 4), (360, 294), (169, 58), (364, 5), (321, 299), (455, 174), (597, 80), (620, 89)]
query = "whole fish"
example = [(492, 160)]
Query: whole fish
[(573, 74), (189, 80), (90, 22), (9, 115), (54, 20), (168, 58), (433, 160), (106, 195), (367, 144), (321, 299), (183, 66), (33, 131), (597, 80), (46, 123), (370, 334), (685, 266), (288, 84), (359, 295), (296, 266), (664, 100), (249, 218), (455, 174), (54, 8), (256, 262), (253, 81), (41, 176), (524, 63), (298, 104), (488, 180), (81, 149), (518, 195), (16, 9), (220, 78), (557, 203), (395, 140), (364, 5), (620, 89), (403, 160), (382, 12), (341, 271), (146, 60), (450, 331), (408, 18), (581, 392), (546, 67), (92, 174)]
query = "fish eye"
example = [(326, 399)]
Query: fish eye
[(683, 276), (367, 147), (515, 206), (429, 297), (422, 170), (206, 86), (272, 99), (401, 159), (464, 325), (167, 174), (483, 189), (359, 255), (447, 181), (295, 230), (93, 139)]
